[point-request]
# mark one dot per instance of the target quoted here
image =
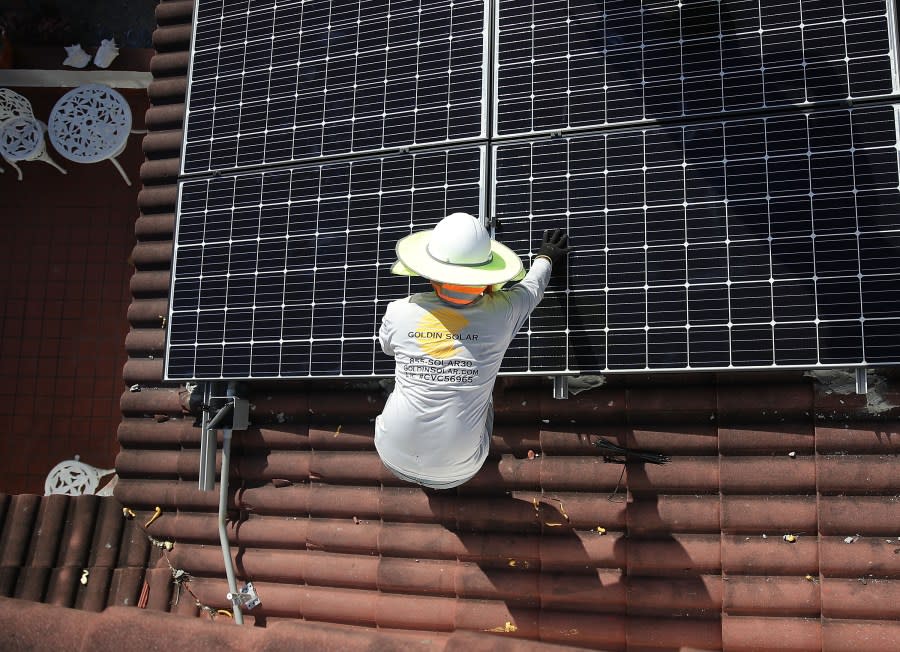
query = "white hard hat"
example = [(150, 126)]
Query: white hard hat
[(459, 239), (458, 250)]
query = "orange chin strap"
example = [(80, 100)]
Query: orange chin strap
[(458, 295)]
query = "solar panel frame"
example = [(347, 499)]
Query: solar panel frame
[(192, 148), (245, 247)]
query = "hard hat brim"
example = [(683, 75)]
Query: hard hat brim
[(414, 260)]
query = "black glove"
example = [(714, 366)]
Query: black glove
[(555, 246)]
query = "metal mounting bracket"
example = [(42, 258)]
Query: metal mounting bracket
[(239, 411), (862, 383), (560, 387), (246, 598)]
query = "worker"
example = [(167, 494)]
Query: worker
[(448, 345)]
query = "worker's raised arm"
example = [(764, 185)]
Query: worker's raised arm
[(526, 294)]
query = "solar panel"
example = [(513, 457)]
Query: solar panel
[(285, 273), (745, 243), (295, 80), (575, 63)]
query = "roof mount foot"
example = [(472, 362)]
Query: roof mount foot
[(560, 387), (247, 598)]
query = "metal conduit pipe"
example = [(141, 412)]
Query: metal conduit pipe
[(207, 450), (223, 508)]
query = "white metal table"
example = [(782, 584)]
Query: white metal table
[(22, 139), (91, 123)]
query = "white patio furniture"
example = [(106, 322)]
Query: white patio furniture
[(22, 139), (91, 123), (13, 105), (75, 478)]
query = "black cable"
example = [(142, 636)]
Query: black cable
[(629, 454)]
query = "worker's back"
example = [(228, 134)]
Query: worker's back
[(436, 424)]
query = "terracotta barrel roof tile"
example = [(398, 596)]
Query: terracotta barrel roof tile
[(754, 403), (662, 633), (168, 38), (45, 544), (866, 515), (168, 90), (797, 437), (862, 557), (175, 11), (854, 635), (151, 401), (769, 556), (150, 282), (147, 341), (682, 475), (152, 255), (677, 556), (162, 143), (771, 514), (766, 475), (867, 598), (169, 63), (791, 595), (157, 199), (663, 515), (15, 539), (148, 227), (63, 586), (771, 633), (858, 437), (161, 117), (154, 169), (858, 474), (146, 312), (696, 438)]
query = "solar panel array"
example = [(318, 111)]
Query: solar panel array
[(727, 171), (277, 82)]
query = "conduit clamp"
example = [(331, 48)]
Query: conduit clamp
[(246, 598)]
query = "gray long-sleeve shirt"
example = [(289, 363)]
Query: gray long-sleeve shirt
[(434, 423)]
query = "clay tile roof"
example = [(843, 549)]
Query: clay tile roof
[(70, 551), (554, 547)]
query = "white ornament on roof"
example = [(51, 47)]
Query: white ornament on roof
[(77, 57), (106, 53)]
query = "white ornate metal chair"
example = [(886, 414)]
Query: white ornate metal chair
[(75, 478), (13, 105), (22, 139)]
